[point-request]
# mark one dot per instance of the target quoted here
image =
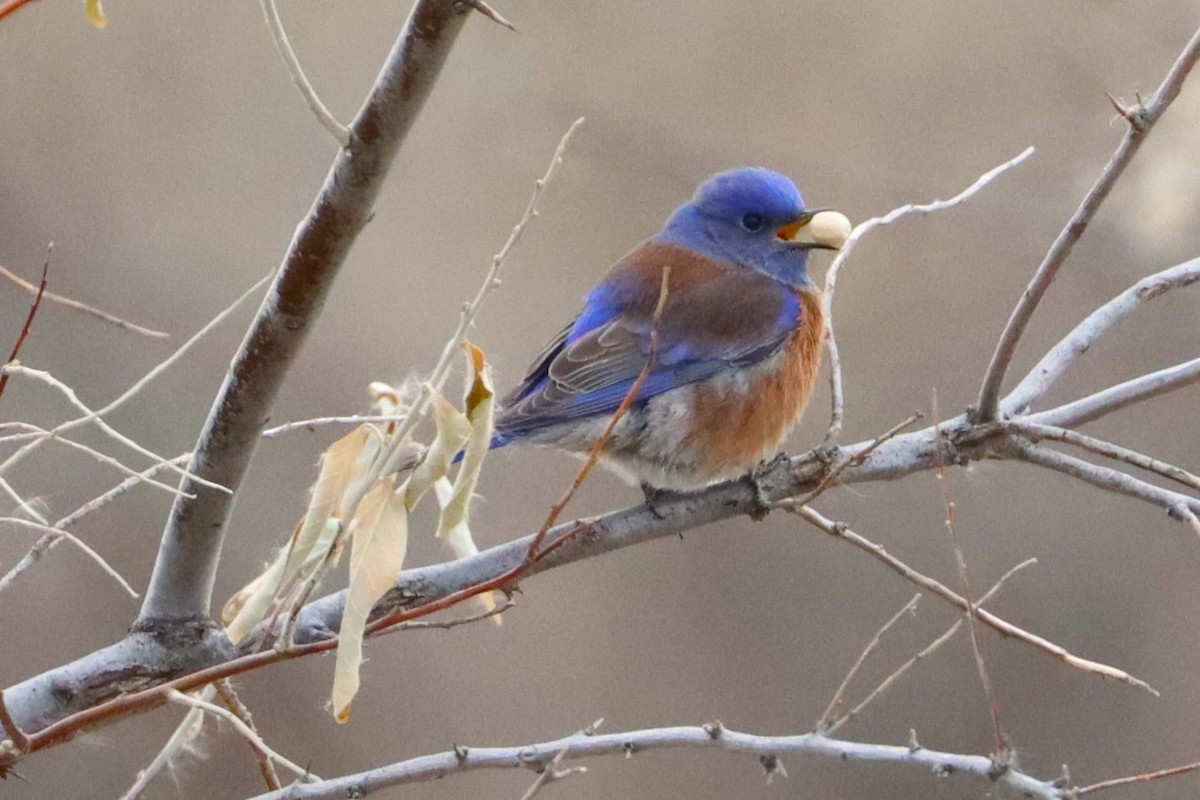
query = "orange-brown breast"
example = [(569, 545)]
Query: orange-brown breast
[(733, 430)]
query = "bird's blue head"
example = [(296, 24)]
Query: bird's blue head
[(748, 216)]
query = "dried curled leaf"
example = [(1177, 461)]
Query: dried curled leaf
[(340, 464), (453, 429), (455, 499), (96, 14), (480, 403), (379, 539)]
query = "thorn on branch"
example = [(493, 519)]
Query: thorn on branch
[(913, 744), (489, 12), (714, 729), (461, 753)]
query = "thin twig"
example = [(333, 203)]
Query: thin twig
[(75, 305), (1003, 749), (835, 702), (1037, 432), (327, 120), (425, 624), (236, 707), (9, 6), (69, 393), (75, 540), (37, 439), (186, 731), (551, 772), (1121, 396), (28, 326), (1174, 503), (11, 728), (629, 743), (841, 531), (241, 727), (23, 504), (835, 376), (1052, 365), (100, 501), (491, 13), (837, 388), (103, 458), (1143, 778), (47, 541), (1141, 119), (310, 424), (891, 679), (624, 406)]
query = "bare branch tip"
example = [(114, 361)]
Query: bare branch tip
[(491, 13)]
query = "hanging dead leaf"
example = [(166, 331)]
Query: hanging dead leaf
[(379, 538), (340, 464)]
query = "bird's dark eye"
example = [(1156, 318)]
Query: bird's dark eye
[(752, 222)]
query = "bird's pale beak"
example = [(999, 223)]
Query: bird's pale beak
[(830, 231)]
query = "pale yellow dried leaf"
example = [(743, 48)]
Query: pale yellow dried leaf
[(453, 429), (460, 541), (481, 404), (340, 463), (96, 14), (379, 538)]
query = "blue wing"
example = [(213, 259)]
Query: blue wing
[(716, 316)]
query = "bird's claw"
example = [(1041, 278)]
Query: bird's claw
[(652, 496), (760, 506)]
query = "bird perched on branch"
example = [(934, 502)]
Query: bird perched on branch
[(733, 354)]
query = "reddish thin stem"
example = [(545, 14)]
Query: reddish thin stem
[(33, 310), (598, 447), (9, 725), (1144, 777), (9, 6)]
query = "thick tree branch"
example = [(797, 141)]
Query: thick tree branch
[(184, 572), (97, 688), (1141, 119)]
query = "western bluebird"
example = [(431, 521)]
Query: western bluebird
[(738, 343)]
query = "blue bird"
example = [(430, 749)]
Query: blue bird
[(738, 343)]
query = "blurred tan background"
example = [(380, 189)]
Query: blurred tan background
[(169, 159)]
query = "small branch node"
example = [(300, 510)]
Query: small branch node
[(1136, 115), (714, 729), (913, 744), (461, 753)]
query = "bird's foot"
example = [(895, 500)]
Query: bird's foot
[(652, 496), (760, 506)]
